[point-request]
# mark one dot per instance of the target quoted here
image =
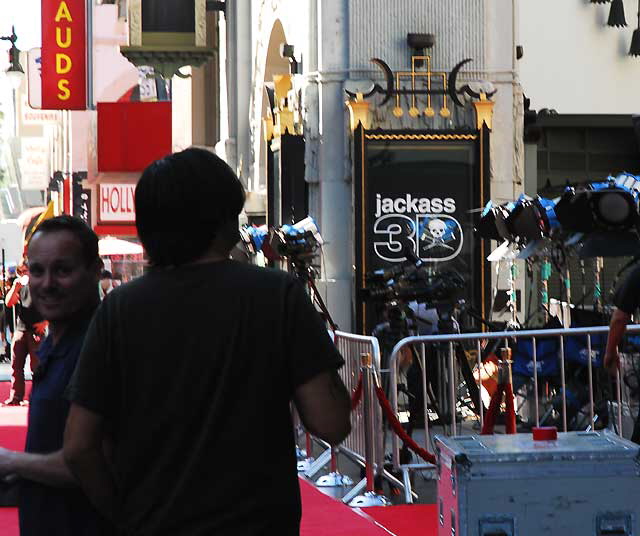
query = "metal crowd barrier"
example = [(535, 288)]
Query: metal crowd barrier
[(365, 443), (351, 348), (452, 382)]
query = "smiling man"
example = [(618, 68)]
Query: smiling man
[(64, 271)]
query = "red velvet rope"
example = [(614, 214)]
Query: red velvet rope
[(399, 430), (356, 395)]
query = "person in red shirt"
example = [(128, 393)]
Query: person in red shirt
[(29, 329)]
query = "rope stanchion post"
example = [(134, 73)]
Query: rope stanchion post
[(370, 497), (425, 408)]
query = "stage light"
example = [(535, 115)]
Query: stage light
[(492, 224), (574, 212), (528, 220), (602, 206), (253, 237), (614, 209)]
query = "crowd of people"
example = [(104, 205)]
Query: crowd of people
[(135, 434)]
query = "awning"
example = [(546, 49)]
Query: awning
[(115, 246)]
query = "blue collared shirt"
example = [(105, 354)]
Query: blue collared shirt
[(46, 510)]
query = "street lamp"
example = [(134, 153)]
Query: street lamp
[(15, 73)]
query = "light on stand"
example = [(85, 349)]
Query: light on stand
[(492, 224), (574, 212), (615, 209), (528, 220)]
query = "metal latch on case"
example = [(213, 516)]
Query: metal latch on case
[(613, 524), (497, 526)]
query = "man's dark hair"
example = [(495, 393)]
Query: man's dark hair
[(85, 235), (105, 274), (183, 202)]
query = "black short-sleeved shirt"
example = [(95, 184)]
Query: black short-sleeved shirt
[(198, 402), (627, 293), (46, 510)]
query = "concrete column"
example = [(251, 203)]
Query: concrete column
[(334, 175), (239, 73)]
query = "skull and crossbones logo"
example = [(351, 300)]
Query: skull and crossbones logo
[(434, 233)]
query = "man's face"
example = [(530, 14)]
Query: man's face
[(60, 282)]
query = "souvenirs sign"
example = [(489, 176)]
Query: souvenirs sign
[(63, 63)]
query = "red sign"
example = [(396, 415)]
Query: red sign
[(64, 52), (117, 203), (131, 135)]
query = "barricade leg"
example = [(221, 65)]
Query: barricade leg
[(480, 403), (316, 466), (335, 478), (425, 409), (563, 381)]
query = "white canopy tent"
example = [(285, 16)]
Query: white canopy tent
[(115, 246)]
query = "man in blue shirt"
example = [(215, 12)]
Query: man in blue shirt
[(64, 271)]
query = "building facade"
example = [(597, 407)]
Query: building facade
[(579, 81), (289, 127)]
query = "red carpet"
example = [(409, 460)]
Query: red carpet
[(13, 422), (324, 516), (407, 519), (321, 515), (9, 522), (13, 431)]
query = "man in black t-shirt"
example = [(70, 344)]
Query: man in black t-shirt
[(200, 420), (627, 301)]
